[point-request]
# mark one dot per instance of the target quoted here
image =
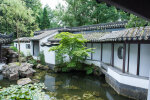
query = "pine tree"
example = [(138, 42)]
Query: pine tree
[(45, 20)]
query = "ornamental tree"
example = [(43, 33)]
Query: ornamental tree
[(73, 46)]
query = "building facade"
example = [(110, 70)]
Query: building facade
[(122, 54)]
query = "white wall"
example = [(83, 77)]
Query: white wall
[(117, 61), (129, 80), (97, 51), (97, 63), (46, 38), (106, 53), (89, 46), (133, 59), (49, 56), (23, 48), (144, 60)]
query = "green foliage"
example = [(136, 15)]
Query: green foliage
[(26, 92), (33, 61), (42, 58), (14, 49), (73, 46), (45, 23), (16, 17), (87, 12), (135, 21)]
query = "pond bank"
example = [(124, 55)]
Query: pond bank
[(73, 85)]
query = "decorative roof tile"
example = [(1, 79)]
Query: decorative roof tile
[(44, 34), (23, 39), (6, 38)]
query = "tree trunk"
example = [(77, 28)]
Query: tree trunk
[(19, 58)]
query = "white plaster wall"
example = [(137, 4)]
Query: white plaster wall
[(46, 38), (97, 51), (128, 80), (89, 46), (106, 53), (23, 48), (97, 63), (117, 61), (49, 56), (144, 60), (133, 58)]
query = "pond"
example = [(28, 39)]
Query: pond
[(77, 86)]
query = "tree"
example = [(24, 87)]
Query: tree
[(135, 21), (73, 46), (87, 12), (18, 16), (45, 22)]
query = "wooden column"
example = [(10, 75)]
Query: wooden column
[(138, 59), (128, 57), (112, 52), (101, 51), (124, 57)]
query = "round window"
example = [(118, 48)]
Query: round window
[(120, 52)]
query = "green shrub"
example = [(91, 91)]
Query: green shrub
[(72, 45), (14, 49), (33, 61), (26, 92), (42, 58)]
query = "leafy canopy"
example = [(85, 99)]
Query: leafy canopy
[(16, 17), (71, 45)]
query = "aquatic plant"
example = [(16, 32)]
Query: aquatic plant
[(71, 87), (26, 92)]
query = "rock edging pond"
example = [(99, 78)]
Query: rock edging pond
[(13, 71)]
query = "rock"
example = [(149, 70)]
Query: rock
[(13, 71), (24, 81), (23, 59), (45, 67), (14, 76), (39, 66)]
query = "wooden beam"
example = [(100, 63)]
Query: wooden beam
[(101, 51), (112, 54), (128, 57), (138, 59), (124, 57)]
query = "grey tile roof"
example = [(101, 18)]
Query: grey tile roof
[(23, 39), (6, 38), (138, 33), (103, 26), (44, 34)]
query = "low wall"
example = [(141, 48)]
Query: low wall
[(132, 86)]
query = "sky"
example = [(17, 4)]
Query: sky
[(52, 3)]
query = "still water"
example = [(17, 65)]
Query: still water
[(73, 86)]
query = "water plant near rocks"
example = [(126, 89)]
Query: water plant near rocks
[(26, 92)]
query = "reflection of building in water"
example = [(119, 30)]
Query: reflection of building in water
[(1, 77), (49, 82)]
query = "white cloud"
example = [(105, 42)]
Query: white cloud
[(52, 3)]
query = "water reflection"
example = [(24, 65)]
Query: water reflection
[(73, 86), (79, 85)]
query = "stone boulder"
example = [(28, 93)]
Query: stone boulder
[(42, 67), (24, 81), (13, 71)]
